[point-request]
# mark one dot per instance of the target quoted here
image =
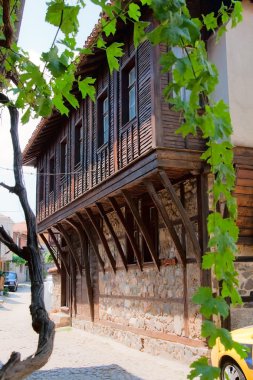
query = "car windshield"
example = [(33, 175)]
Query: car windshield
[(10, 275)]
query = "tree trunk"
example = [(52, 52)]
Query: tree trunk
[(16, 369)]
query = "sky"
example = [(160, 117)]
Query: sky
[(35, 37)]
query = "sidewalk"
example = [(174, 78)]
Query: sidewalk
[(79, 355)]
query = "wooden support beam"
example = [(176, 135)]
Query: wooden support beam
[(102, 238), (51, 252), (59, 250), (84, 253), (185, 218), (65, 235), (203, 212), (91, 239), (142, 227), (112, 232), (129, 234), (168, 223), (185, 274)]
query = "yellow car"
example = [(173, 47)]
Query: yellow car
[(231, 365)]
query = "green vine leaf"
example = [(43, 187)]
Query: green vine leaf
[(113, 53), (86, 86)]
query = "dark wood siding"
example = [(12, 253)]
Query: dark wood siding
[(127, 140)]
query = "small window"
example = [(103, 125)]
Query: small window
[(52, 174), (78, 144), (63, 158), (128, 93), (132, 94), (41, 185), (103, 120)]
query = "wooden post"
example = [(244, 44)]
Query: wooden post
[(102, 238), (129, 234), (185, 218), (76, 226), (51, 252), (168, 223), (91, 238), (142, 227), (59, 250), (64, 234), (112, 232)]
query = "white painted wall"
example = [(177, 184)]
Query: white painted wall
[(7, 223), (233, 56)]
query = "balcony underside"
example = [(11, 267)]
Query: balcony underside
[(178, 164)]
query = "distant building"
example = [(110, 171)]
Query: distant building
[(20, 238), (5, 253)]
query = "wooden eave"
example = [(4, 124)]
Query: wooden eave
[(181, 162)]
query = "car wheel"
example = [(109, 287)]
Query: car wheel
[(231, 371)]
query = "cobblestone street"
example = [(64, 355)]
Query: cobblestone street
[(78, 355)]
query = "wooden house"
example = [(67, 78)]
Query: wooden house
[(122, 202)]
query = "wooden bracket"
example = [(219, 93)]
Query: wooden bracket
[(51, 252), (129, 234), (102, 238), (59, 250), (91, 239), (82, 238), (142, 227), (185, 218), (65, 235), (112, 232), (181, 254)]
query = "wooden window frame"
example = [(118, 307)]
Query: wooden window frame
[(126, 88), (78, 143), (52, 181), (102, 114), (41, 185), (63, 157)]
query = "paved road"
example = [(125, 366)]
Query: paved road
[(78, 355)]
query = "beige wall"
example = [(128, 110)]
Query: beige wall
[(235, 53)]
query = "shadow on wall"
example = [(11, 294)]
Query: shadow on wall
[(112, 372)]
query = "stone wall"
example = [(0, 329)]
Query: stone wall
[(150, 310), (152, 300), (241, 316)]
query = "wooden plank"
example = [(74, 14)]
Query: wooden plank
[(245, 240), (51, 252), (65, 235), (244, 173), (59, 250), (85, 255), (112, 232), (185, 218), (168, 223), (142, 227), (203, 212), (90, 236), (185, 282), (245, 200), (102, 238), (127, 231)]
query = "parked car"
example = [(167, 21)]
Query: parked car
[(232, 366), (11, 281)]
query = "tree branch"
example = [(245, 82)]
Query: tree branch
[(7, 28), (12, 189), (7, 240)]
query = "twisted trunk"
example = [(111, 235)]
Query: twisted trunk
[(15, 368)]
